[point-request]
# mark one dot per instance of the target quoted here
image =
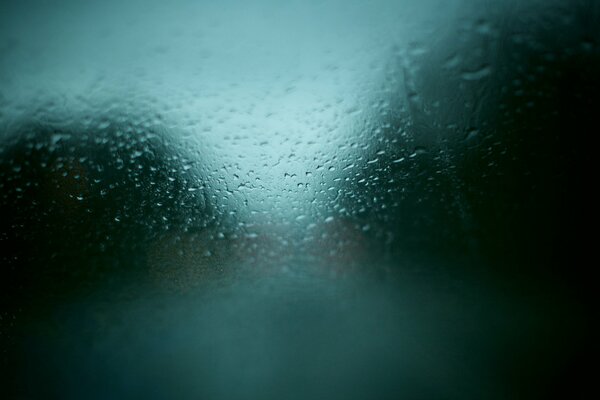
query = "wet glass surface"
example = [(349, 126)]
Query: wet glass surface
[(305, 199)]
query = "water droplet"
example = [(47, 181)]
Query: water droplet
[(479, 73)]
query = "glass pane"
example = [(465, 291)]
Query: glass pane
[(303, 199)]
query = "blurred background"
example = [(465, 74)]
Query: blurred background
[(302, 199)]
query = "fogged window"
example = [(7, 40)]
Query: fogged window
[(303, 199)]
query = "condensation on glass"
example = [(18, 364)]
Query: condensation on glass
[(305, 199)]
